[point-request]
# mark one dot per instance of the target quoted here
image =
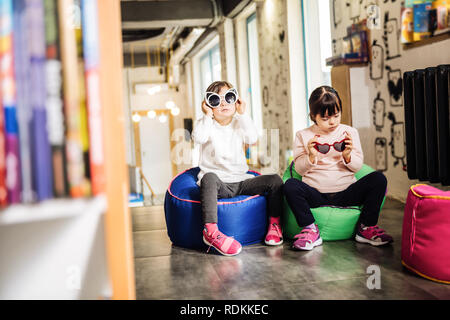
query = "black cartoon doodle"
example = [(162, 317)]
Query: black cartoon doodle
[(381, 154), (337, 12), (379, 112), (337, 47), (281, 36), (397, 142), (377, 62), (395, 86), (265, 96), (391, 37)]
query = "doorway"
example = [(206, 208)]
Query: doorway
[(152, 132)]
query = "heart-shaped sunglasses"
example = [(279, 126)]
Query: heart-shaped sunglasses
[(324, 148), (213, 99)]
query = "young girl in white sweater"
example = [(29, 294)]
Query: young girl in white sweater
[(222, 132)]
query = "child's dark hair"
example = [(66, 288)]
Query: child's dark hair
[(217, 85), (322, 100)]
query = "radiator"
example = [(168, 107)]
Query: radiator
[(427, 102)]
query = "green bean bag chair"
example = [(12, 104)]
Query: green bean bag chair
[(335, 223)]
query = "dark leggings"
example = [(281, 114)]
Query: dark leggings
[(368, 191), (212, 188)]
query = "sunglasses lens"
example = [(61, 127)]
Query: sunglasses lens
[(322, 148), (230, 97), (213, 100), (339, 146)]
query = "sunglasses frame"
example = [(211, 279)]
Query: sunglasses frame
[(330, 145), (232, 90)]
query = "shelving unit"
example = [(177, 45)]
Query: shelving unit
[(51, 210), (433, 39), (54, 250), (78, 248)]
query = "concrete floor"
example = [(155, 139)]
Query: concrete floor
[(335, 270)]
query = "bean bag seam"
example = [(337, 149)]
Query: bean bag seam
[(196, 201), (423, 275)]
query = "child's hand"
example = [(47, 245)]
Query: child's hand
[(240, 106), (207, 110), (348, 147), (311, 149)]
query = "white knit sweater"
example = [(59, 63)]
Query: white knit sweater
[(221, 147)]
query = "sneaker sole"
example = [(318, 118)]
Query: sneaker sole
[(310, 246), (273, 243), (360, 239), (221, 252)]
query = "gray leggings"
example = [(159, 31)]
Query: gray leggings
[(212, 188)]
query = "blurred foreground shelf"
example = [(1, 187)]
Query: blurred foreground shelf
[(78, 248), (52, 209), (54, 250)]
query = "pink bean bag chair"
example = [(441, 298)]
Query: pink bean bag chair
[(426, 233)]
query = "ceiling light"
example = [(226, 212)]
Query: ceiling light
[(136, 117), (170, 104), (175, 111), (153, 90), (162, 118), (151, 114)]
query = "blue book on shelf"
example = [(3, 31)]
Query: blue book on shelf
[(23, 107), (41, 151)]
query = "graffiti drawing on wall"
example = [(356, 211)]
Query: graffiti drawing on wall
[(378, 112), (391, 37), (377, 62), (265, 96), (395, 86), (337, 47), (397, 142), (373, 13), (381, 154), (337, 12)]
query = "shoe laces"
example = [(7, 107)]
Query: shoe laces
[(304, 233), (276, 227), (216, 238), (376, 230)]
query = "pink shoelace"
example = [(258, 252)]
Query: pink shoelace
[(373, 231), (219, 236), (306, 234), (274, 228)]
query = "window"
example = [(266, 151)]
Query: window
[(248, 63), (210, 69), (206, 68), (253, 67), (316, 26)]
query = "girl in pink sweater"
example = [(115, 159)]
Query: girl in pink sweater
[(327, 155)]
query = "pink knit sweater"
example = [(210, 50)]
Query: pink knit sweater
[(329, 173)]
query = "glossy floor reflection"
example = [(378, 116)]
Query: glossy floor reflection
[(335, 270)]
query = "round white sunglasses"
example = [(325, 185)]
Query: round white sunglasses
[(213, 99)]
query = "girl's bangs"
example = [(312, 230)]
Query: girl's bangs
[(329, 105)]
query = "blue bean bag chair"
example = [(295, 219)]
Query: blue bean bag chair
[(243, 217)]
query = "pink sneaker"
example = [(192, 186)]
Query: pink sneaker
[(307, 239), (373, 235), (222, 243), (274, 235)]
